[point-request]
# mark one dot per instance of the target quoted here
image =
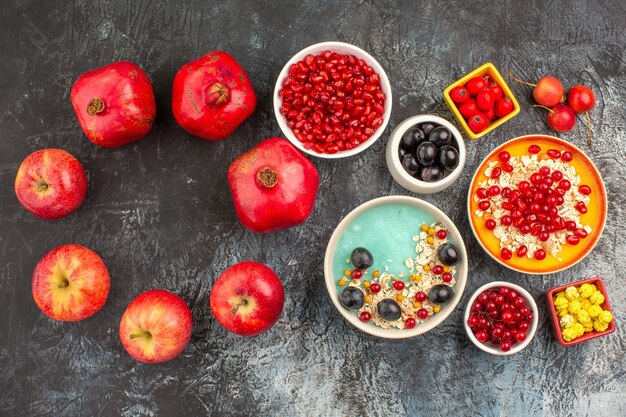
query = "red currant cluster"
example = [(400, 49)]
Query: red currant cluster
[(480, 101), (533, 206), (500, 316), (332, 102)]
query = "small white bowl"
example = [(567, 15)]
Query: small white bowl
[(344, 49), (446, 309), (493, 348), (394, 164)]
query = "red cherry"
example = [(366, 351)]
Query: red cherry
[(477, 122), (523, 326), (420, 296), (410, 323), (561, 118), (422, 313), (375, 288), (505, 346), (581, 99), (477, 307), (459, 94), (520, 336), (484, 297), (503, 107), (356, 274), (508, 317), (482, 336), (472, 321), (398, 285)]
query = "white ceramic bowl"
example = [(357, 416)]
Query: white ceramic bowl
[(394, 164), (446, 309), (344, 49), (493, 348)]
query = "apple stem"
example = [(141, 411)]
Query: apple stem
[(96, 105), (64, 284), (518, 80), (142, 333), (543, 107), (267, 177), (236, 306), (218, 94), (41, 185)]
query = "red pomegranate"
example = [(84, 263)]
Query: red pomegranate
[(273, 186), (212, 96), (114, 104)]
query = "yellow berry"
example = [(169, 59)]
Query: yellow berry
[(368, 298), (417, 304), (342, 282), (446, 269), (425, 227), (430, 240), (431, 231), (347, 272), (426, 268), (436, 309), (366, 284), (376, 273), (399, 297)]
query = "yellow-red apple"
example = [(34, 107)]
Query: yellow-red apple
[(51, 183), (70, 283), (156, 326), (247, 298)]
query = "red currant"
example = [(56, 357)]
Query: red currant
[(523, 326), (477, 307), (365, 316), (420, 296), (519, 302), (356, 274), (441, 234), (507, 317), (422, 313), (437, 269), (410, 323), (375, 288), (446, 277), (398, 285)]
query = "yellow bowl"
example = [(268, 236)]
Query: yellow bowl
[(485, 69)]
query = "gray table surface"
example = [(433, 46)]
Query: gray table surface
[(160, 214)]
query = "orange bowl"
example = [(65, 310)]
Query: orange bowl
[(555, 317), (595, 216)]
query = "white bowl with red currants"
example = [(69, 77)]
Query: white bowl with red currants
[(501, 318), (425, 154), (332, 100)]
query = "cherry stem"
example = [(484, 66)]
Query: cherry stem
[(267, 177), (518, 80), (96, 105), (218, 94), (234, 309), (141, 333), (544, 107)]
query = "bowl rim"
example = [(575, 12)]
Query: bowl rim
[(354, 50), (505, 89), (555, 318), (516, 347), (423, 327), (393, 158), (500, 148)]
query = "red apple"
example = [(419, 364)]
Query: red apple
[(70, 283), (247, 298), (156, 326), (114, 104), (51, 183)]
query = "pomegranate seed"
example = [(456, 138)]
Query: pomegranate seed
[(544, 171), (557, 176), (495, 173), (481, 193), (570, 225), (534, 149), (581, 207), (521, 251), (518, 222), (484, 205), (581, 233), (504, 156), (506, 167), (490, 224), (523, 186), (584, 189), (536, 178), (572, 240), (506, 254), (554, 153), (506, 220), (567, 156), (494, 190), (540, 254), (525, 229), (564, 185), (543, 236)]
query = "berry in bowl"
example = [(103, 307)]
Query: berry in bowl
[(501, 318), (332, 100), (580, 311), (425, 154), (537, 204), (395, 267), (481, 101)]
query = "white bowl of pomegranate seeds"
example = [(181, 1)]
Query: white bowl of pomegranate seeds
[(501, 318), (332, 100), (425, 154)]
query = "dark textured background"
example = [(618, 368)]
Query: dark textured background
[(160, 214)]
